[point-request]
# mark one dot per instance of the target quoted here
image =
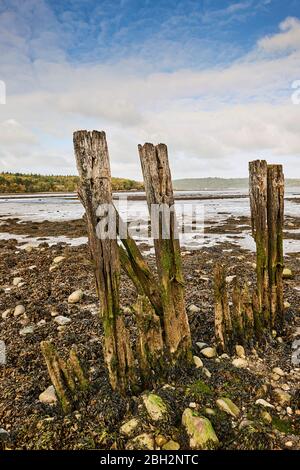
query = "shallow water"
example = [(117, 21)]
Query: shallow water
[(196, 214)]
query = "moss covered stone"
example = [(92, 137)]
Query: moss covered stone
[(200, 431), (155, 406), (226, 405)]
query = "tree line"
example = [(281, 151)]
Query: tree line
[(35, 183)]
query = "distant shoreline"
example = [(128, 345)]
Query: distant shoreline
[(131, 196)]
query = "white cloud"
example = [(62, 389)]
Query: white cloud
[(288, 38), (216, 118)]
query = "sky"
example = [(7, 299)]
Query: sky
[(218, 81)]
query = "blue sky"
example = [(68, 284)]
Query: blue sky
[(212, 79)]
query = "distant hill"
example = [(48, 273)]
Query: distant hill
[(202, 184), (31, 183)]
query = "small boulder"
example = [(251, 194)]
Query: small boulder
[(226, 405), (155, 406), (161, 440), (193, 309), (206, 372), (278, 371), (266, 417), (240, 351), (75, 297), (6, 314), (59, 259), (240, 363), (200, 431), (171, 445), (48, 396), (281, 397), (27, 330), (61, 320), (287, 274), (53, 267), (201, 345), (28, 248), (129, 428), (142, 442), (197, 361), (17, 281), (209, 352), (19, 310), (264, 403)]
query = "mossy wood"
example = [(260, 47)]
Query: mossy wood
[(95, 192), (160, 199)]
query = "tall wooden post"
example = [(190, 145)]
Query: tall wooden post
[(267, 215), (258, 180), (275, 247), (95, 191), (159, 192)]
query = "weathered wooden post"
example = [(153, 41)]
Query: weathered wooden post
[(159, 192), (223, 325), (68, 376), (95, 192), (258, 180), (275, 232), (267, 215), (150, 340)]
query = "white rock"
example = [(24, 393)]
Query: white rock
[(278, 371), (194, 309), (6, 314), (287, 273), (207, 372), (289, 444), (287, 304), (229, 279), (59, 259), (19, 310), (240, 363), (41, 322), (193, 405), (17, 281), (53, 267), (27, 330), (48, 396), (224, 356), (129, 428), (209, 352), (264, 403), (75, 297), (226, 405), (28, 248), (61, 320), (240, 351), (201, 345), (197, 361)]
